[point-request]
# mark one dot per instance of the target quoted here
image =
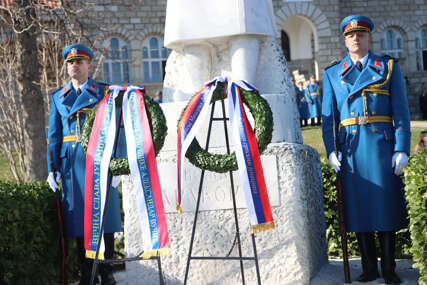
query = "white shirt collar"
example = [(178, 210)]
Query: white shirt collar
[(81, 86), (363, 60)]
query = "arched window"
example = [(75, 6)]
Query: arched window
[(286, 47), (421, 47), (116, 63), (154, 56), (392, 43)]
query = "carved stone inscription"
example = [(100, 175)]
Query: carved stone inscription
[(216, 188)]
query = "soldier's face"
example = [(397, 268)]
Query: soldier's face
[(79, 69), (357, 42)]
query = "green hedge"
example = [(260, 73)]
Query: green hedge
[(403, 242), (416, 195), (29, 243)]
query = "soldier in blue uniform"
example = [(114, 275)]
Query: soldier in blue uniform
[(302, 103), (366, 132), (68, 108), (313, 96)]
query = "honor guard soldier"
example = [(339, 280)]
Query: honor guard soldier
[(366, 132), (313, 96), (302, 103), (68, 108)]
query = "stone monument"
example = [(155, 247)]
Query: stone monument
[(236, 39)]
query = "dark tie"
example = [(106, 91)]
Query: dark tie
[(359, 65), (79, 91)]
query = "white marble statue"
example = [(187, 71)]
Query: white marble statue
[(234, 38), (195, 29)]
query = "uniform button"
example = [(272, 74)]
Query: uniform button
[(351, 97), (374, 130), (374, 113), (375, 94), (72, 131), (354, 131), (374, 77), (342, 82), (352, 113), (73, 146), (70, 117), (90, 100)]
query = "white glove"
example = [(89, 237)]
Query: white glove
[(399, 161), (53, 180), (334, 160), (116, 181)]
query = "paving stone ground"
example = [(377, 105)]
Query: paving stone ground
[(332, 274)]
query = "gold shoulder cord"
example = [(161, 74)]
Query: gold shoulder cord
[(376, 88)]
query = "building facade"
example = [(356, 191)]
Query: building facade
[(308, 31)]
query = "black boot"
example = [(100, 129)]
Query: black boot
[(106, 269), (319, 121), (388, 265), (85, 264), (312, 122), (368, 254)]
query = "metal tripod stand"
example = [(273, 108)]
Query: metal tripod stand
[(240, 258)]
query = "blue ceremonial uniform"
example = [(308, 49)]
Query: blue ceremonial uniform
[(302, 103), (67, 114), (358, 112), (313, 97)]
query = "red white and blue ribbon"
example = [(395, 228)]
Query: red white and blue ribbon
[(190, 122), (249, 160), (144, 174), (245, 144), (143, 168), (98, 156)]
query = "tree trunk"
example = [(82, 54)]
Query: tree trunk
[(27, 80)]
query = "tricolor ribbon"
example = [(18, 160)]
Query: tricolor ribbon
[(245, 144), (144, 174), (143, 168), (98, 156)]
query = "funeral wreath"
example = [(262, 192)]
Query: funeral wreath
[(158, 127), (263, 130)]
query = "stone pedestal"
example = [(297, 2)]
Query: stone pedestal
[(290, 254)]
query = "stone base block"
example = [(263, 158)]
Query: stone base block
[(290, 254)]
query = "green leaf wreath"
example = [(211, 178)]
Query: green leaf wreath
[(158, 127), (263, 130)]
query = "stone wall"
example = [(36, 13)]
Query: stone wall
[(135, 21)]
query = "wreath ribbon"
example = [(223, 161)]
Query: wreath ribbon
[(245, 144), (99, 151), (143, 169)]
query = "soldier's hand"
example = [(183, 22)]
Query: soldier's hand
[(53, 180), (398, 162), (334, 160), (311, 101)]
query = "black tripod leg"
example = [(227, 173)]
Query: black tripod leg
[(236, 221), (159, 265), (202, 176), (258, 276)]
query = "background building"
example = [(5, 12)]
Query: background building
[(308, 31)]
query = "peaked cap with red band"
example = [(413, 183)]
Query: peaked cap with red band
[(77, 51), (356, 23)]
